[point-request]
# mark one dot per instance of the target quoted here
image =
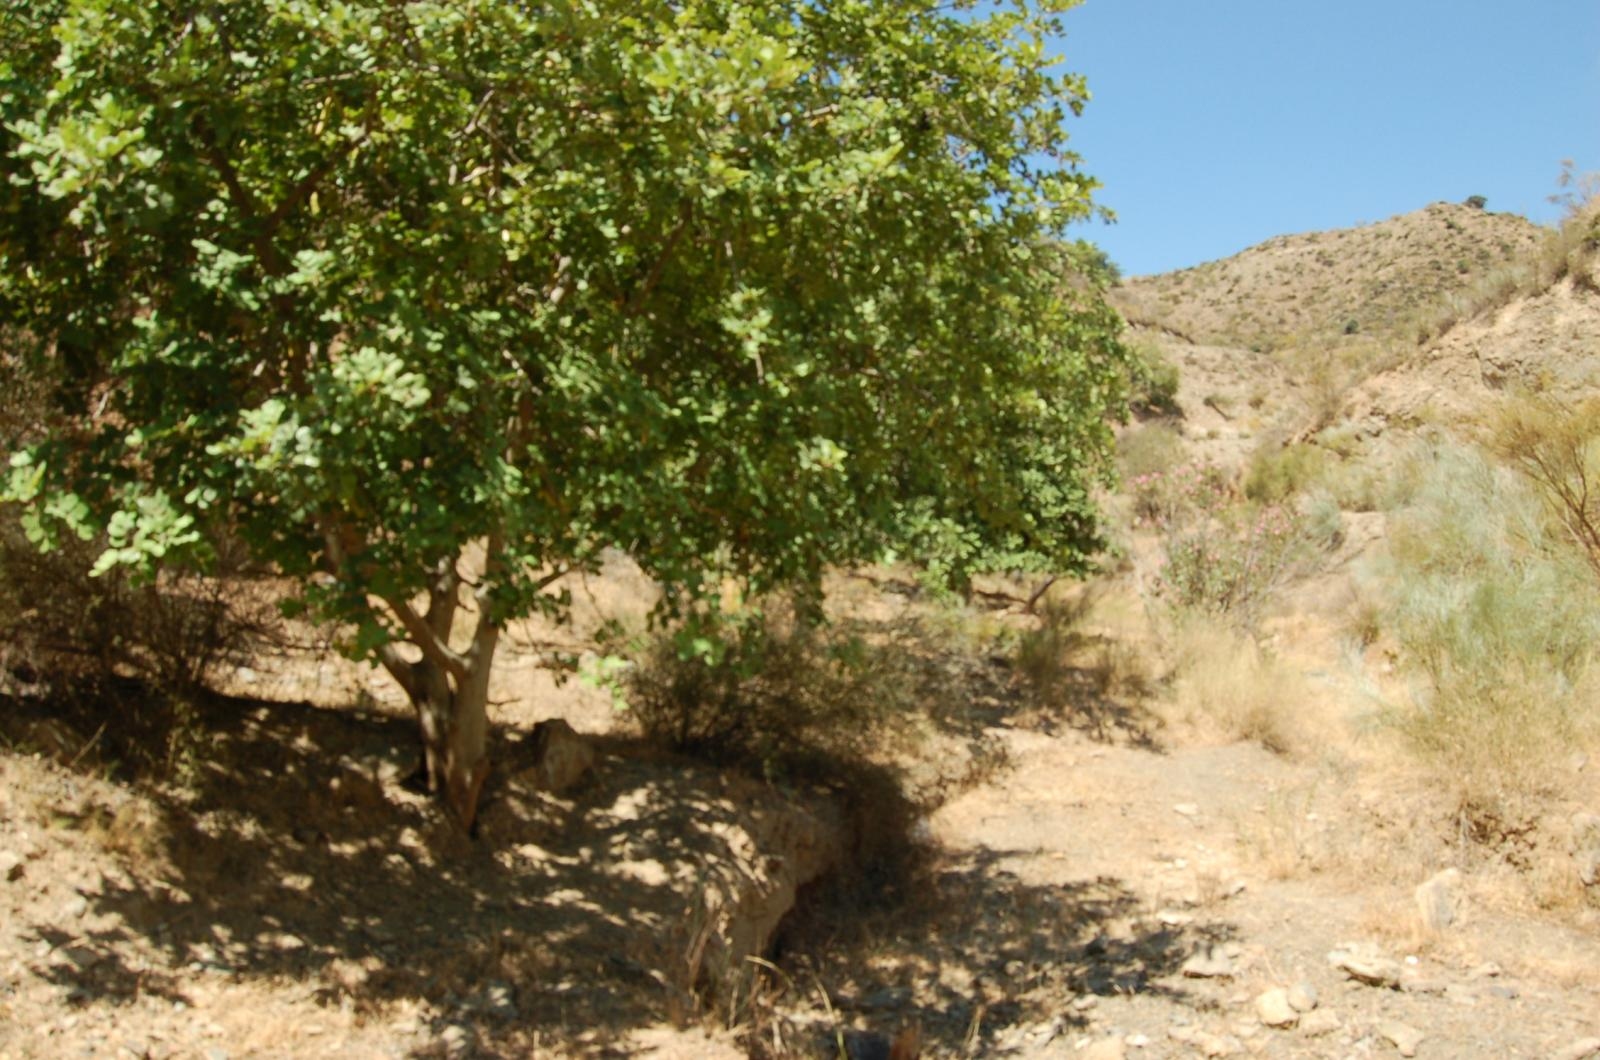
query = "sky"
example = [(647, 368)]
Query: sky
[(1216, 124)]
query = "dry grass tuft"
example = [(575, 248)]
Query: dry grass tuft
[(1224, 685)]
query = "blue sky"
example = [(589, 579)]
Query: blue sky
[(1215, 125)]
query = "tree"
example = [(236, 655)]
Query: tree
[(744, 289)]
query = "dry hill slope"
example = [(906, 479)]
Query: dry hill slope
[(1358, 281)]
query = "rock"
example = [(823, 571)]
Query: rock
[(74, 908), (1186, 809), (1367, 967), (1302, 996), (1210, 963), (1106, 1049), (1439, 901), (1274, 1010), (1585, 1049), (1215, 1045), (1503, 991), (1405, 1037), (562, 757), (1319, 1023), (1486, 970), (1586, 847), (10, 865)]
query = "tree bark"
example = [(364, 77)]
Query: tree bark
[(449, 690)]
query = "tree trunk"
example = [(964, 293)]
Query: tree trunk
[(454, 723), (449, 688)]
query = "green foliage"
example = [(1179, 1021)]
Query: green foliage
[(743, 289), (1229, 562), (1180, 495), (1149, 448), (1477, 202), (1280, 472), (1155, 382), (1494, 614), (1223, 554)]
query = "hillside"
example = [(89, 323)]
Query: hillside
[(1379, 279)]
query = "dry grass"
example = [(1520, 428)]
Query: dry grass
[(1223, 685)]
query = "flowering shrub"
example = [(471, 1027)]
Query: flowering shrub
[(1164, 499), (1223, 554), (1228, 562)]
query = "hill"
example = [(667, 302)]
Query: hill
[(1379, 279)]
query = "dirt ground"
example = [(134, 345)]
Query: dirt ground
[(1117, 886)]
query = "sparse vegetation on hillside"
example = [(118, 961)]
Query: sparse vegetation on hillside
[(1497, 618), (1328, 287)]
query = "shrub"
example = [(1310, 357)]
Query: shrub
[(1278, 472), (1155, 382), (1477, 202), (1148, 449), (1484, 601), (1229, 562), (1166, 498)]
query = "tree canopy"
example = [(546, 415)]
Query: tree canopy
[(743, 289)]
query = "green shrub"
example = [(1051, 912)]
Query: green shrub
[(1149, 449), (1496, 617), (1278, 472), (1155, 382), (1163, 499), (1230, 561)]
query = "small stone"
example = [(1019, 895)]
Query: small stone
[(135, 1050), (75, 908), (1084, 1003), (1403, 1036), (1503, 991), (1303, 996), (1137, 1041), (1215, 1045), (10, 865), (216, 1054), (1369, 968), (1486, 970), (563, 757), (1172, 918), (1186, 809), (246, 675), (1439, 901), (1319, 1023), (1208, 964), (1274, 1010), (1584, 1049)]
